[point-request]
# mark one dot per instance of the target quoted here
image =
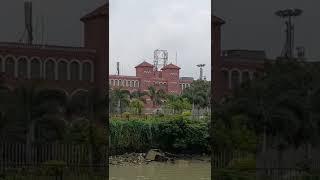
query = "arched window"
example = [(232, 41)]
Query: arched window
[(74, 71), (22, 68), (225, 79), (63, 70), (86, 71), (10, 66), (50, 68), (132, 84), (111, 83), (35, 70), (1, 65), (245, 76), (235, 79), (255, 75), (117, 83), (137, 83)]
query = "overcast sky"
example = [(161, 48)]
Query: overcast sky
[(138, 27), (62, 25), (251, 24)]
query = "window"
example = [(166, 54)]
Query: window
[(35, 69), (50, 70), (245, 76), (1, 66), (86, 72), (74, 71), (225, 79), (10, 67), (23, 68), (63, 71), (132, 84), (235, 79), (255, 75)]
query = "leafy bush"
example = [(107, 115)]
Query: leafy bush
[(174, 134), (186, 113)]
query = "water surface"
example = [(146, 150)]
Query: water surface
[(184, 170)]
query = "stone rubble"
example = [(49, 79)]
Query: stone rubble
[(135, 159)]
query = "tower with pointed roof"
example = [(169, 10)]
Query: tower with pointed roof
[(171, 73), (96, 36)]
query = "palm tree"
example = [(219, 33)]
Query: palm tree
[(139, 95), (156, 96), (137, 105), (198, 94), (122, 97)]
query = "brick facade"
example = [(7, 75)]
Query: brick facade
[(232, 67), (65, 69), (167, 79)]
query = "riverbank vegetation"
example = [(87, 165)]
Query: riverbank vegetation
[(176, 134), (277, 111)]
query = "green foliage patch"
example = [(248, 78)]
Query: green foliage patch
[(174, 134)]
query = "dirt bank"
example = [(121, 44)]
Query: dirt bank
[(132, 159)]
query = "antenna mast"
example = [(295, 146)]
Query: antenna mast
[(289, 14), (201, 70), (160, 59), (28, 20)]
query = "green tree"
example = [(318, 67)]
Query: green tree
[(140, 95), (178, 104), (198, 94), (281, 106), (156, 96), (121, 97), (137, 106)]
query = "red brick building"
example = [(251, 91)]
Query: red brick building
[(232, 67), (167, 79), (69, 70)]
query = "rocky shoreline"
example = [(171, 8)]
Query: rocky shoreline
[(134, 159)]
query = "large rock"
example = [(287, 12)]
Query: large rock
[(156, 155)]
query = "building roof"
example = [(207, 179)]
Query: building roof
[(170, 66), (217, 20), (100, 11), (186, 78), (44, 47), (244, 53), (145, 64)]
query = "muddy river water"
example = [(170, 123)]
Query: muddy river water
[(184, 170)]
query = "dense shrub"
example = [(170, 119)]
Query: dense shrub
[(174, 134)]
